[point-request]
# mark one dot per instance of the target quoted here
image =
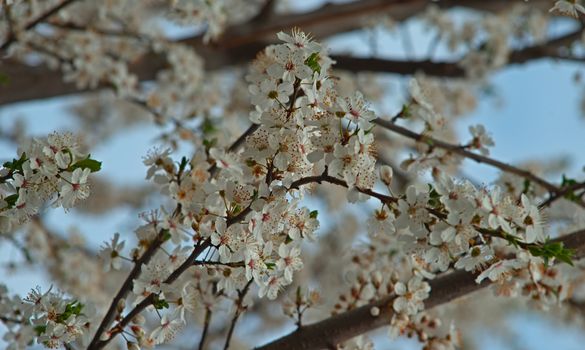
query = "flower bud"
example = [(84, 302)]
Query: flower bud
[(132, 346), (386, 174)]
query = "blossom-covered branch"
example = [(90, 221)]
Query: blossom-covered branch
[(328, 333), (462, 151)]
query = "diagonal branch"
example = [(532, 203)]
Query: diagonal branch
[(457, 149), (342, 327)]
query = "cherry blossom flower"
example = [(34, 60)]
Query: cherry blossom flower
[(299, 40), (356, 110), (271, 286), (386, 175), (290, 260), (481, 140), (568, 7), (167, 330), (532, 221), (499, 270), (226, 161), (290, 64), (75, 187), (410, 296), (413, 212), (270, 93), (110, 254), (477, 258)]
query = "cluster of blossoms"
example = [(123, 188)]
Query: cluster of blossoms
[(217, 15), (571, 8), (244, 210), (420, 109), (50, 318), (455, 225), (53, 169)]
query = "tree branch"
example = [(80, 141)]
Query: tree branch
[(241, 43), (457, 149), (125, 289), (342, 327), (239, 308)]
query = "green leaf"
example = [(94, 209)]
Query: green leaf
[(434, 197), (207, 126), (11, 200), (313, 62), (166, 235), (16, 164), (87, 163), (552, 250), (405, 112), (270, 265), (209, 143), (313, 214), (160, 303), (526, 188), (183, 164), (567, 182), (73, 308), (40, 329)]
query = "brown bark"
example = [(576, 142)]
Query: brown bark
[(241, 43), (328, 333)]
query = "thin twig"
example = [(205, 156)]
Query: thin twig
[(207, 322), (126, 287), (457, 149), (564, 191), (12, 37), (119, 327), (239, 309)]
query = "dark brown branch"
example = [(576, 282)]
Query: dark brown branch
[(239, 309), (459, 150), (339, 182), (548, 49), (342, 327), (119, 327), (431, 68), (206, 323), (563, 192), (239, 44)]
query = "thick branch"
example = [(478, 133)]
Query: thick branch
[(337, 329), (239, 44), (548, 49)]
